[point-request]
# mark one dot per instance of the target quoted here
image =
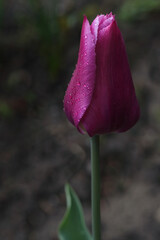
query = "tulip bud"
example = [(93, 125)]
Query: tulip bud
[(100, 97)]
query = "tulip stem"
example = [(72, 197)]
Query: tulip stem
[(95, 188)]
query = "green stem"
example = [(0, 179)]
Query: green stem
[(95, 188)]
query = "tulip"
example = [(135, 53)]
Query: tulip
[(100, 97)]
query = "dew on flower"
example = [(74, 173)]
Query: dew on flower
[(70, 96), (76, 114), (81, 57), (84, 108)]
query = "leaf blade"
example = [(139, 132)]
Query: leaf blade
[(73, 224)]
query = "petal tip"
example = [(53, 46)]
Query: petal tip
[(85, 19)]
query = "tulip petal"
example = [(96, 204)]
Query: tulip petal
[(95, 26), (80, 89), (114, 105), (106, 21)]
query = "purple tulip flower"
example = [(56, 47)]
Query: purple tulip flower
[(100, 97)]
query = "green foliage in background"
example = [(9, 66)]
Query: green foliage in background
[(6, 111), (50, 34), (137, 9)]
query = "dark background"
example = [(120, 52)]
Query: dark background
[(40, 150)]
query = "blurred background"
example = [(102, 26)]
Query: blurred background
[(40, 150)]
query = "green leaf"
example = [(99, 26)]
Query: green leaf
[(73, 225)]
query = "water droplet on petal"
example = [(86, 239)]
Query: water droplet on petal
[(76, 113)]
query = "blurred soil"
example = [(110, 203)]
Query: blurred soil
[(40, 151)]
